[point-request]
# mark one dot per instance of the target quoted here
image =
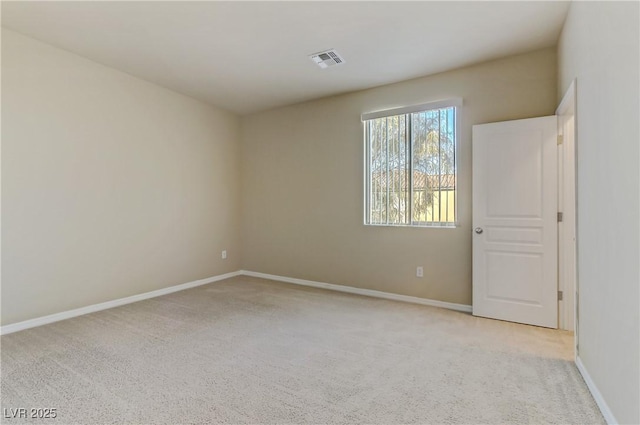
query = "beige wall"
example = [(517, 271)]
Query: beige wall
[(599, 47), (111, 186), (302, 182)]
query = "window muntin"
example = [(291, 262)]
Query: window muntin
[(411, 167)]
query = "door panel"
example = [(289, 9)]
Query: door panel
[(515, 216)]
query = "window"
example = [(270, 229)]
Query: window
[(411, 174)]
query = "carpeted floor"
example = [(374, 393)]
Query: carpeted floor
[(248, 350)]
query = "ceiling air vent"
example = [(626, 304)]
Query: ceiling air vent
[(327, 58)]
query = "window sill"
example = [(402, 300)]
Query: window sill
[(418, 226)]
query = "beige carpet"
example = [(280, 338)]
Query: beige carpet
[(253, 351)]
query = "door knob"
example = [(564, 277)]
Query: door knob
[(478, 230)]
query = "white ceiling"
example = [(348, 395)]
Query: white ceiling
[(252, 56)]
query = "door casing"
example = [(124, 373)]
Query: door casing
[(567, 202)]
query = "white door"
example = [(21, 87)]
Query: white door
[(515, 245)]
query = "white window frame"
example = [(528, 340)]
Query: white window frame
[(439, 104)]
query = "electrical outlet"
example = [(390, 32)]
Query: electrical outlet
[(224, 254), (419, 271)]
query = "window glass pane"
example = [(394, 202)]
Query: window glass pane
[(389, 189), (433, 142)]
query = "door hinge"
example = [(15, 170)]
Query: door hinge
[(560, 139), (559, 295), (560, 217)]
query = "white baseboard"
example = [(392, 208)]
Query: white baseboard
[(604, 408), (45, 320), (359, 291)]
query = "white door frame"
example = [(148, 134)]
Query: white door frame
[(567, 204)]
